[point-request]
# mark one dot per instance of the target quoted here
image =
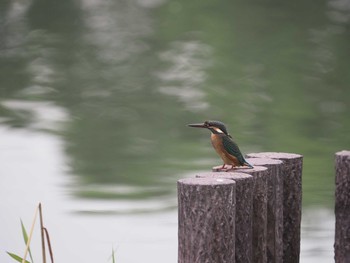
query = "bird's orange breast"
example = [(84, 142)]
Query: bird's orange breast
[(216, 141)]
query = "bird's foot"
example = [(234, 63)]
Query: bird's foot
[(227, 168), (230, 169), (223, 168)]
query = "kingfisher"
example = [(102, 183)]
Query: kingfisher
[(223, 144)]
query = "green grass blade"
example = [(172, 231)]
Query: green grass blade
[(24, 232), (25, 237), (17, 258), (113, 258)]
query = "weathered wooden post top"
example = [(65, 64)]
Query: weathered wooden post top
[(259, 204), (292, 201), (207, 209), (274, 236), (244, 211)]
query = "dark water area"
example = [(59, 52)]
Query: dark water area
[(95, 97)]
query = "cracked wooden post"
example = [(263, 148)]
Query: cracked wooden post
[(292, 196), (259, 215), (342, 207), (274, 207), (244, 211), (206, 208), (260, 175)]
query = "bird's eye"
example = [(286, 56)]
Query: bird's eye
[(206, 123)]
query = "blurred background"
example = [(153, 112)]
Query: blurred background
[(95, 97)]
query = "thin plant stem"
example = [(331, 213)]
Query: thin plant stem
[(30, 235), (25, 237), (49, 244), (42, 234)]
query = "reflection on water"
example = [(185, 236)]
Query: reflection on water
[(37, 115), (95, 97), (317, 237), (186, 73), (90, 226)]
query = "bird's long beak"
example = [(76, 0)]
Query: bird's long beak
[(198, 125)]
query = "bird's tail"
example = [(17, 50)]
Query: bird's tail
[(248, 164)]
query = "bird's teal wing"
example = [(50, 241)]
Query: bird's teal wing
[(232, 148)]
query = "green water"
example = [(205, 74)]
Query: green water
[(127, 76)]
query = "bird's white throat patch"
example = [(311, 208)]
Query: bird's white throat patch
[(218, 130)]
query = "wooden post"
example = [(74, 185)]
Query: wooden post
[(206, 220), (292, 196), (342, 207), (260, 175), (244, 212), (274, 207)]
